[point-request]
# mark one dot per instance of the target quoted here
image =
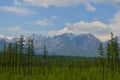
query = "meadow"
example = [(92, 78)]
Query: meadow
[(18, 62), (72, 68)]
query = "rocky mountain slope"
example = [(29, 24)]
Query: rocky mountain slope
[(65, 44)]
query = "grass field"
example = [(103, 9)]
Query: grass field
[(59, 73)]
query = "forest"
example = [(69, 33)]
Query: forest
[(18, 61)]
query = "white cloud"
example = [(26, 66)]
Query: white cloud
[(14, 29), (68, 3), (59, 32), (116, 19), (2, 36), (115, 3), (97, 28), (46, 22), (115, 24), (17, 3), (17, 30), (89, 7), (16, 10), (47, 3), (53, 17)]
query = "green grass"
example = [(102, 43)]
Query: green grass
[(61, 73)]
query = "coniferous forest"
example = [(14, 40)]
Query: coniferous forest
[(18, 61)]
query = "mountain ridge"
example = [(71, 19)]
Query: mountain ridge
[(65, 44)]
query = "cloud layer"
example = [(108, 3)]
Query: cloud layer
[(46, 22), (68, 3), (16, 10), (98, 28), (14, 30), (89, 7)]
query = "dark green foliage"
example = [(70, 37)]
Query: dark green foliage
[(18, 62), (44, 52), (30, 53), (112, 53)]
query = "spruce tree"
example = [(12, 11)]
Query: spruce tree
[(21, 52), (117, 52), (4, 58), (16, 56), (101, 53), (44, 52), (112, 52), (30, 53)]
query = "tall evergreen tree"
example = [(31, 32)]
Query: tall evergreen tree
[(117, 52), (4, 58), (44, 52), (30, 53), (101, 53), (21, 52), (15, 55), (112, 52)]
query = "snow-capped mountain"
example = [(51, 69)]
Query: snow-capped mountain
[(68, 44), (65, 44)]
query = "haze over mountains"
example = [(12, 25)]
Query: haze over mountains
[(65, 44)]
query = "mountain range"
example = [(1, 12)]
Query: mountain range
[(65, 44)]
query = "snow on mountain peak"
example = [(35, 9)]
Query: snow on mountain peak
[(2, 36), (8, 38)]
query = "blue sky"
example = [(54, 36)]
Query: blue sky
[(55, 17)]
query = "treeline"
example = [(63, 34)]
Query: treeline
[(19, 57), (110, 56)]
